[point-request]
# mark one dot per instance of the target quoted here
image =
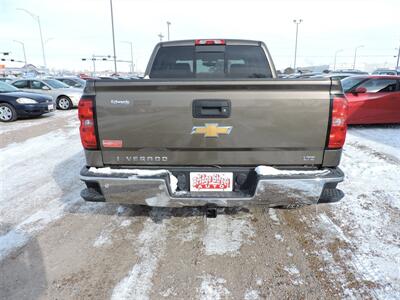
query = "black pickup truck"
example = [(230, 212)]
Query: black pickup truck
[(210, 124)]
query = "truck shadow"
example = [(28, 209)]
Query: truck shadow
[(22, 272), (66, 175)]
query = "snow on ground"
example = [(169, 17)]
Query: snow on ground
[(117, 221), (273, 216), (137, 284), (24, 124), (33, 166), (212, 288), (368, 218), (34, 191), (225, 234), (251, 295), (385, 139)]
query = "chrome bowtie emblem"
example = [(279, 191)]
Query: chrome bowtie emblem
[(211, 130)]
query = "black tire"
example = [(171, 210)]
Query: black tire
[(64, 103), (7, 113)]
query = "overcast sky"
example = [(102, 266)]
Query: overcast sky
[(80, 28)]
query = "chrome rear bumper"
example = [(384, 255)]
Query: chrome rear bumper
[(269, 191)]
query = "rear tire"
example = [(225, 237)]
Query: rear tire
[(64, 103), (7, 113)]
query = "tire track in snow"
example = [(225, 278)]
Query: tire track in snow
[(152, 242)]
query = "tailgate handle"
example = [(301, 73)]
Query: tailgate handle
[(211, 108)]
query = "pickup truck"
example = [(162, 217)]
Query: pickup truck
[(211, 125)]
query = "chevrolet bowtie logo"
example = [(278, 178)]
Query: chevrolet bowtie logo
[(211, 130)]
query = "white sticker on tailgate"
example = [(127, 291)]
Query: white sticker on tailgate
[(211, 181)]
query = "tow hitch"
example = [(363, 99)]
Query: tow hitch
[(211, 212)]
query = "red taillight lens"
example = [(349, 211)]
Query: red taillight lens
[(209, 42), (337, 134), (87, 130)]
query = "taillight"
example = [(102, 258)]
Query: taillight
[(87, 130), (209, 42), (337, 133)]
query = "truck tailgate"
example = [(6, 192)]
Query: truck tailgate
[(272, 122)]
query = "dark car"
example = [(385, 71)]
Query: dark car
[(15, 103), (386, 72)]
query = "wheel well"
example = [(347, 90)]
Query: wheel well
[(5, 102), (63, 96)]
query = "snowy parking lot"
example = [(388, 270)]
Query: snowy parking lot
[(53, 245)]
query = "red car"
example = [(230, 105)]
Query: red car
[(373, 99)]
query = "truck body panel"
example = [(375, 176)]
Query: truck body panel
[(275, 122)]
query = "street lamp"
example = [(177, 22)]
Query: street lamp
[(334, 61), (160, 36), (23, 49), (355, 55), (40, 31), (297, 22), (168, 24), (113, 37), (130, 43)]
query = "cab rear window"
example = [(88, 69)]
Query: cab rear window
[(231, 61)]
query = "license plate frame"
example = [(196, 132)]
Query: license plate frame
[(211, 181), (50, 107)]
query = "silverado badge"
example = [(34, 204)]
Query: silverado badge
[(211, 130)]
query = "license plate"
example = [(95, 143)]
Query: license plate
[(50, 107), (210, 181)]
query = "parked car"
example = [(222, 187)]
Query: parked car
[(15, 103), (72, 81), (373, 99), (64, 96), (386, 72), (352, 71), (202, 128), (6, 79), (334, 76)]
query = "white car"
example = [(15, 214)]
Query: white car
[(64, 96)]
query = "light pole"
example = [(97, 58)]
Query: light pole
[(23, 49), (40, 31), (160, 36), (334, 61), (130, 43), (398, 59), (297, 22), (168, 24), (113, 37), (355, 56)]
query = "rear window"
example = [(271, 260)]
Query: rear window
[(350, 83), (231, 61)]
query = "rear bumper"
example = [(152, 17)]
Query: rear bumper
[(282, 190)]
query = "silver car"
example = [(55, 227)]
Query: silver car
[(72, 81), (64, 96)]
